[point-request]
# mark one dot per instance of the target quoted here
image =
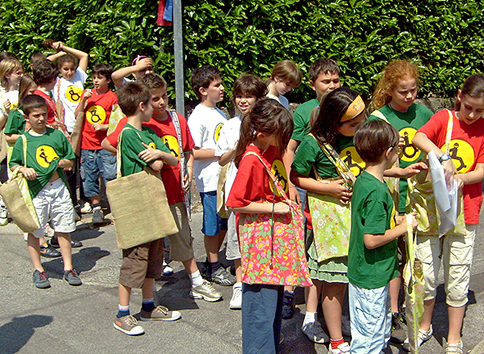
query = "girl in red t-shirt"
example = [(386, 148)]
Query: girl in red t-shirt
[(264, 131)]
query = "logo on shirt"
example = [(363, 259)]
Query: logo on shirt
[(279, 171), (44, 155), (172, 144), (462, 155), (73, 94), (353, 160), (95, 114), (152, 145), (217, 131), (409, 152)]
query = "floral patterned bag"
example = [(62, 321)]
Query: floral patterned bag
[(273, 245)]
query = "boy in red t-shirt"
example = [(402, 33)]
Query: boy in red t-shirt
[(97, 105), (45, 75)]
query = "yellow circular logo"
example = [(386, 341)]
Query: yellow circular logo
[(409, 152), (353, 160), (172, 144), (462, 155), (152, 145), (44, 155), (73, 94), (217, 131), (279, 171), (96, 114)]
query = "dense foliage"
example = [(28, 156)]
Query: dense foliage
[(443, 37)]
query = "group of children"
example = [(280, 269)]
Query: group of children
[(349, 174)]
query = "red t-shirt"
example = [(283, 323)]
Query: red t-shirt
[(98, 110), (466, 150), (253, 183), (51, 110), (171, 175), (113, 137)]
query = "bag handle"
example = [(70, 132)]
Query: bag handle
[(448, 136)]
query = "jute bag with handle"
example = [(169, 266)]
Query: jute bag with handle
[(139, 207)]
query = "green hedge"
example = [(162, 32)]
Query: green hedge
[(443, 37)]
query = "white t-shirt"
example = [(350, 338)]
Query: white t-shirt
[(205, 124), (69, 93), (281, 99), (229, 136), (12, 97)]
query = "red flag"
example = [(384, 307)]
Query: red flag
[(161, 10)]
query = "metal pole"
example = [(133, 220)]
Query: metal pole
[(178, 51)]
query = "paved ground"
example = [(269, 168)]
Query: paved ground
[(72, 320)]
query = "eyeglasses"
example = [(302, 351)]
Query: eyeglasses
[(398, 150)]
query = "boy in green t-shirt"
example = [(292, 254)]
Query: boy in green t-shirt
[(140, 148), (47, 154), (372, 255)]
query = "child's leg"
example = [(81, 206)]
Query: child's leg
[(333, 294), (65, 246), (34, 252), (457, 259), (124, 295), (312, 296)]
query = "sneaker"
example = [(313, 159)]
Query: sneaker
[(205, 291), (315, 333), (287, 305), (97, 215), (398, 334), (454, 348), (167, 270), (54, 242), (41, 280), (223, 277), (423, 336), (48, 251), (159, 313), (128, 325), (3, 215), (341, 349), (86, 208), (236, 301), (72, 278)]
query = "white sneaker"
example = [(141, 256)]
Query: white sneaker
[(97, 215), (3, 215), (423, 336), (341, 349), (205, 291), (86, 208), (167, 270), (236, 301)]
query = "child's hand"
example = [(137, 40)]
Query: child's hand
[(449, 170), (56, 45), (149, 154), (460, 181), (413, 169), (294, 195), (339, 191), (29, 173), (143, 64), (186, 183), (413, 218), (99, 126), (6, 105), (281, 208), (87, 94)]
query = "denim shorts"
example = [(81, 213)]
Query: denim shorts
[(93, 163), (212, 222)]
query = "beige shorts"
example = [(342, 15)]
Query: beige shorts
[(54, 203), (455, 251), (181, 243), (141, 262)]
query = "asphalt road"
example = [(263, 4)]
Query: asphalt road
[(70, 320)]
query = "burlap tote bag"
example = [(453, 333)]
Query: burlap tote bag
[(139, 207)]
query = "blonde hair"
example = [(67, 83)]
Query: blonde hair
[(392, 75), (7, 67), (288, 72)]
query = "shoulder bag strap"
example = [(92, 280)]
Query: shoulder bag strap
[(450, 126)]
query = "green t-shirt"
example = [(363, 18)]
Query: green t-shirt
[(407, 124), (131, 139), (43, 155), (302, 115), (309, 154), (15, 123), (372, 212)]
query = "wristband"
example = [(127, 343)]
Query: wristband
[(444, 157)]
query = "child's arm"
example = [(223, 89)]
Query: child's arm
[(65, 163), (120, 74), (203, 154), (151, 154), (28, 172), (106, 145), (227, 157), (288, 159), (406, 172), (374, 241), (471, 177), (99, 126), (11, 138), (189, 159), (79, 54), (335, 189), (263, 208), (80, 107), (56, 56)]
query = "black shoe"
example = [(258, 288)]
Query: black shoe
[(398, 334), (54, 242), (49, 252), (287, 306)]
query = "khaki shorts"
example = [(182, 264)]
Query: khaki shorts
[(181, 243), (141, 262), (456, 254)]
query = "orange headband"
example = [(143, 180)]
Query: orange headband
[(354, 109)]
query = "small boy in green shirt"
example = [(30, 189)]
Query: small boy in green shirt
[(372, 255), (140, 148)]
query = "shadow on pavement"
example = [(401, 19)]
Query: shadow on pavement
[(15, 334)]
